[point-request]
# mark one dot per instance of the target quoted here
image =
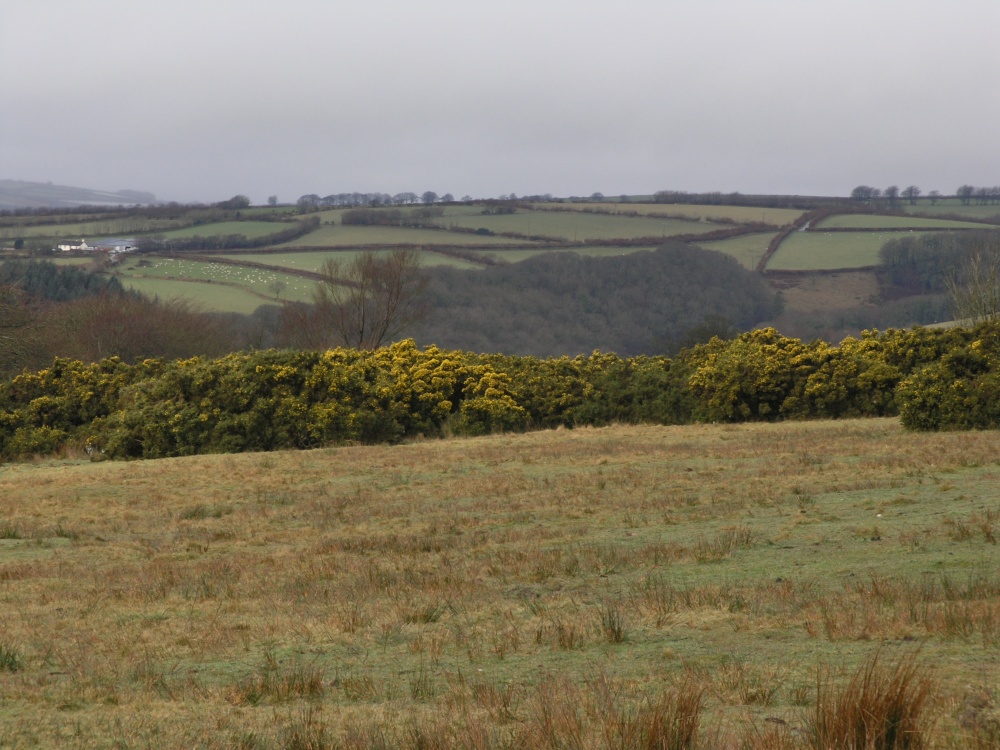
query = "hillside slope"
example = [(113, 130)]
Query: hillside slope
[(563, 303), (16, 194)]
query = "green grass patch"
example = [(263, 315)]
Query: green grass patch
[(954, 206), (125, 227), (254, 279), (874, 221), (818, 251), (575, 226), (600, 251), (748, 249), (249, 229), (313, 260), (74, 261), (210, 297), (360, 236)]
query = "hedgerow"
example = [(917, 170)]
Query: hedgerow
[(267, 400)]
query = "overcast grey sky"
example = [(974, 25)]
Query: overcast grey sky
[(204, 99)]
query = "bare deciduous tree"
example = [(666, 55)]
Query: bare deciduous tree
[(373, 297), (129, 326), (911, 194), (975, 293), (16, 329)]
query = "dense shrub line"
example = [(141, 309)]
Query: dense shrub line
[(717, 198), (393, 217), (273, 399), (230, 241), (924, 264), (564, 303), (43, 280)]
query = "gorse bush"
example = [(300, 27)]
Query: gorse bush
[(764, 376), (267, 400), (960, 390), (292, 399)]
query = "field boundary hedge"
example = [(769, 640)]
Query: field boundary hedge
[(228, 242)]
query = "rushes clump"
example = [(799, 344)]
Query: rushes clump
[(882, 707), (562, 716), (10, 659), (724, 544), (272, 682), (613, 623), (307, 731)]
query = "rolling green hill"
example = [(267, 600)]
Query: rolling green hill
[(482, 235)]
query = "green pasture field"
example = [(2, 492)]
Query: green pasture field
[(597, 251), (739, 214), (249, 229), (748, 249), (528, 587), (255, 281), (953, 206), (208, 297), (819, 251), (575, 226), (60, 260), (311, 261), (91, 230), (360, 236), (874, 221)]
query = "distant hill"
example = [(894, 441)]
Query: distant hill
[(21, 194)]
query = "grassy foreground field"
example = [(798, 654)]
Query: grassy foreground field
[(533, 590)]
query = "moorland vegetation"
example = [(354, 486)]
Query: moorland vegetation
[(822, 584)]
